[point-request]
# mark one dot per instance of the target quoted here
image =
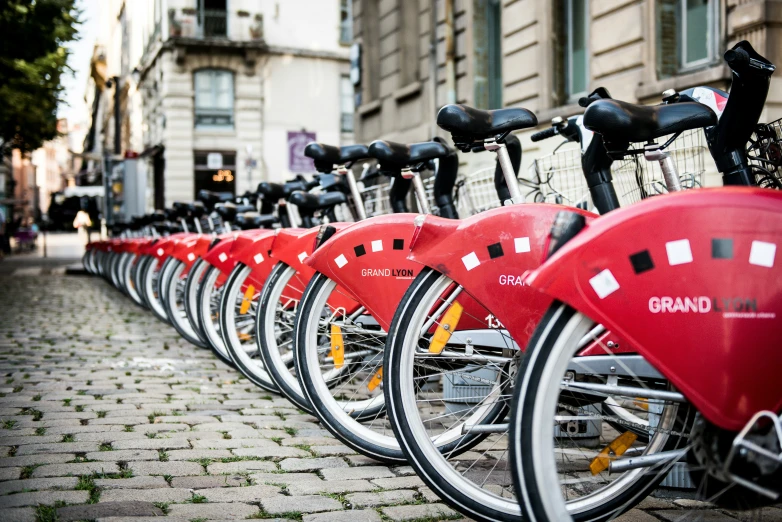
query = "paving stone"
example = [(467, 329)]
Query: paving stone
[(701, 515), (359, 515), (330, 486), (399, 482), (15, 486), (382, 498), (153, 444), (243, 494), (219, 426), (10, 473), (413, 512), (23, 514), (364, 472), (336, 450), (234, 443), (32, 460), (269, 452), (361, 460), (285, 478), (185, 419), (43, 497), (76, 469), (140, 519), (241, 466), (221, 511), (312, 464), (132, 483), (175, 469), (428, 494), (205, 481), (198, 454), (123, 455), (146, 495), (107, 509), (302, 504), (636, 515)]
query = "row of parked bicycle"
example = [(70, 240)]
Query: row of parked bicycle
[(556, 357)]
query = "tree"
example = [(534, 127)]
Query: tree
[(32, 61)]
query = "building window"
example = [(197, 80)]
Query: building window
[(687, 35), (408, 42), (345, 21), (487, 26), (212, 18), (219, 176), (370, 57), (214, 98), (346, 104)]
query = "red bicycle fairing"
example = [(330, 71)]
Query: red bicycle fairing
[(369, 260), (692, 281), (488, 253)]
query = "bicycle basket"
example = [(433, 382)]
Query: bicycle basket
[(764, 152), (375, 197), (636, 179), (558, 178), (475, 192)]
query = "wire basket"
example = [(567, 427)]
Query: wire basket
[(764, 152), (375, 197), (560, 179), (636, 179), (475, 192)]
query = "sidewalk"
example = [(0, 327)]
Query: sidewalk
[(62, 249), (105, 413)]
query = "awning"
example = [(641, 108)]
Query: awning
[(81, 191)]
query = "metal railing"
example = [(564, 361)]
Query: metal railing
[(212, 23)]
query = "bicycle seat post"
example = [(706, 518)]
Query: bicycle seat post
[(358, 202), (507, 170), (420, 191), (653, 152)]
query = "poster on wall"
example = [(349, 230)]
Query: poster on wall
[(298, 163)]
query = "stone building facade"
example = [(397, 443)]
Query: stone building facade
[(543, 55), (221, 94)]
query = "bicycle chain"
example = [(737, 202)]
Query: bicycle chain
[(622, 422)]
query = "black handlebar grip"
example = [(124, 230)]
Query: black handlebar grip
[(545, 134), (736, 57)]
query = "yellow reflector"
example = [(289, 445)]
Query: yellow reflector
[(376, 380), (247, 300), (337, 352), (617, 446), (641, 403), (244, 337), (446, 328)]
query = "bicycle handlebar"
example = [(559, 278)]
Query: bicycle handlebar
[(545, 134)]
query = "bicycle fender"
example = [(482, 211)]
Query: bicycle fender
[(693, 281), (369, 260), (487, 254), (293, 247), (254, 252)]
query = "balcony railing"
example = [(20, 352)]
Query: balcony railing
[(205, 24), (212, 24)]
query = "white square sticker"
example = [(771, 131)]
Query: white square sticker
[(160, 251), (377, 245), (258, 258), (762, 254), (341, 260), (604, 284), (679, 252), (190, 256), (522, 244), (302, 257), (470, 261), (222, 257)]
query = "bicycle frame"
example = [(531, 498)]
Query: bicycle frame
[(685, 279)]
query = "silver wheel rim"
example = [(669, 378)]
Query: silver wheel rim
[(340, 410), (175, 298), (210, 303), (237, 350)]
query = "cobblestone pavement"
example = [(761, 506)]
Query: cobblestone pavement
[(106, 414)]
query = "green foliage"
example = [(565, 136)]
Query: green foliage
[(32, 61)]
